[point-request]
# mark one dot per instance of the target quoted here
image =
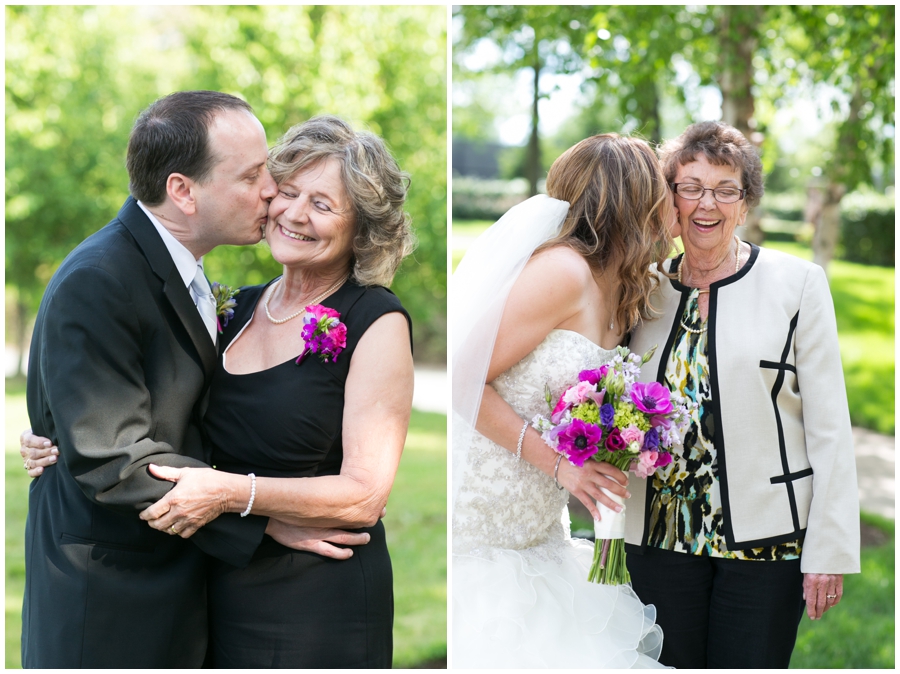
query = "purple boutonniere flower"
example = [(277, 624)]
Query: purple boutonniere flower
[(225, 303), (323, 333)]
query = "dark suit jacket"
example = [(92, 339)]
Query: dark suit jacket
[(119, 360)]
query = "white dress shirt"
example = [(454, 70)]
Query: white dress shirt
[(184, 261)]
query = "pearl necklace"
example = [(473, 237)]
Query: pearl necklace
[(737, 266), (279, 321)]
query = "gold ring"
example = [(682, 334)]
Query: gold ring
[(172, 529)]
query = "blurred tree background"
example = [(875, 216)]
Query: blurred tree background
[(77, 77), (795, 80), (812, 86), (529, 82)]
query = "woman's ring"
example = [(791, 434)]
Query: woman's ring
[(25, 464), (830, 596)]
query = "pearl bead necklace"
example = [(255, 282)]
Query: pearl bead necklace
[(737, 266), (279, 321)]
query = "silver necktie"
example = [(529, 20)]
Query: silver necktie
[(206, 303)]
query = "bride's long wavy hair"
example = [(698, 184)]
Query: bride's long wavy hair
[(618, 214)]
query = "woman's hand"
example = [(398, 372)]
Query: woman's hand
[(315, 539), (822, 591), (200, 495), (585, 484), (37, 452)]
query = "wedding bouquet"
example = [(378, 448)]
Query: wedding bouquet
[(608, 416)]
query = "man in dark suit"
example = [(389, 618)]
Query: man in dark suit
[(122, 352)]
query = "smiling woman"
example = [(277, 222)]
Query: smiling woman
[(758, 518), (311, 222), (330, 460)]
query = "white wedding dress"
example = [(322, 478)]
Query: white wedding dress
[(521, 597)]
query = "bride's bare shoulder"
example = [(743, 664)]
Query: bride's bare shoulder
[(562, 265)]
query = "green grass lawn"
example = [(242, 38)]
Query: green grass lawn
[(463, 233), (416, 526), (864, 306), (859, 633)]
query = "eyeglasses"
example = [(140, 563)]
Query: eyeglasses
[(694, 192)]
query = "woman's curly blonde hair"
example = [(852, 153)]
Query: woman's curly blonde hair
[(375, 184), (618, 213)]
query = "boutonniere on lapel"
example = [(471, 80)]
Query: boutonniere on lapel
[(225, 303), (323, 333)]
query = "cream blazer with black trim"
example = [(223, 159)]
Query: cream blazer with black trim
[(785, 451)]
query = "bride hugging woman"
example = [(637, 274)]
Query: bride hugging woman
[(549, 290)]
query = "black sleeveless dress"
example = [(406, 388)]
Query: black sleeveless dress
[(289, 608)]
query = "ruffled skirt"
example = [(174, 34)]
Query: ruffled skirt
[(534, 608)]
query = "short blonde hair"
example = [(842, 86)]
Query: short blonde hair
[(618, 206), (375, 184)]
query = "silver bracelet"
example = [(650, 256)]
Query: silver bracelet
[(253, 494), (556, 472), (521, 440)]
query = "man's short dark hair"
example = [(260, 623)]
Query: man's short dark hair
[(172, 136)]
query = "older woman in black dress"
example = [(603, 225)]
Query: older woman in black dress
[(315, 443)]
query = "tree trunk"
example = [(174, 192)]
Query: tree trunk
[(647, 97), (738, 41), (20, 335), (533, 165), (828, 228), (840, 176)]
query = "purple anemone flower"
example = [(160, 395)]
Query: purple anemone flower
[(579, 441), (652, 398)]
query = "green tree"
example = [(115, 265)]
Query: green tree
[(630, 49), (292, 63), (540, 38), (74, 83), (851, 49), (78, 76)]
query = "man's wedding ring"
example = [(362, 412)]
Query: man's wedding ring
[(172, 529), (830, 596)]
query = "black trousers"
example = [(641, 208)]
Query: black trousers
[(721, 613)]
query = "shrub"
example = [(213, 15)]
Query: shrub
[(482, 199), (867, 224), (867, 229)]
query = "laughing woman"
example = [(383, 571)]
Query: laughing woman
[(759, 515)]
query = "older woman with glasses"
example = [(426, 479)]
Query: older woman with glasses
[(758, 515)]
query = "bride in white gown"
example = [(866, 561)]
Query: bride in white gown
[(538, 298)]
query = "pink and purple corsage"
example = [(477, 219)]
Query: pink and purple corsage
[(323, 333)]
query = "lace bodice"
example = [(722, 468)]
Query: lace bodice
[(504, 503)]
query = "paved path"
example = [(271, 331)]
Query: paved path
[(875, 471), (874, 474), (432, 390)]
